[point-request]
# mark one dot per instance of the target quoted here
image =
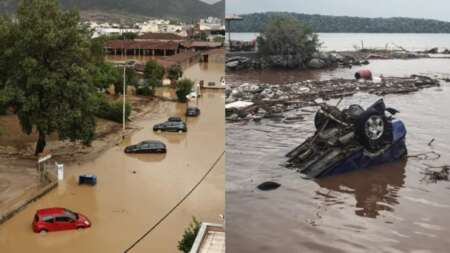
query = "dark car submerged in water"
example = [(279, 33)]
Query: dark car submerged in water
[(147, 147), (350, 139), (173, 124)]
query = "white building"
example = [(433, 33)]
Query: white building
[(162, 26)]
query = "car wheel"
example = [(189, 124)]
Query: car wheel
[(180, 131), (80, 228), (374, 131), (43, 231)]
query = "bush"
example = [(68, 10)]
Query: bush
[(112, 110), (3, 103), (189, 235), (144, 90), (183, 88)]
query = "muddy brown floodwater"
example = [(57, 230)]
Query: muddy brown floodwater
[(382, 209), (135, 191)]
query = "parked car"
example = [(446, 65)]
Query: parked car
[(57, 219), (171, 126), (192, 111), (350, 139), (88, 179), (147, 147)]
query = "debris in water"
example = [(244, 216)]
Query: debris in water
[(431, 142), (257, 101), (269, 186), (433, 175), (428, 156)]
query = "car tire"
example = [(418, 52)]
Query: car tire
[(43, 231), (374, 131), (180, 131)]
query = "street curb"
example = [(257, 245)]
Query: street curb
[(13, 210)]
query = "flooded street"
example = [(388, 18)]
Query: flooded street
[(135, 191), (383, 209)]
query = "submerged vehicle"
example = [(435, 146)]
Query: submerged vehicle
[(192, 111), (171, 126), (147, 147), (57, 219), (350, 139)]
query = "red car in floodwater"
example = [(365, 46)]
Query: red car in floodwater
[(57, 219)]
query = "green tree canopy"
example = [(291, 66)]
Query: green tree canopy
[(287, 37), (153, 71), (174, 72), (186, 243), (105, 75), (130, 76), (183, 88), (50, 72)]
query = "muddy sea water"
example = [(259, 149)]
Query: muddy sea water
[(388, 208)]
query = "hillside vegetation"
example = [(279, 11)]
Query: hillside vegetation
[(186, 9), (322, 23)]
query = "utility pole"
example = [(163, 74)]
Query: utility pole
[(124, 100), (124, 84)]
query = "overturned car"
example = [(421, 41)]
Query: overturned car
[(350, 139)]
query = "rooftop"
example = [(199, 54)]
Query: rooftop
[(133, 44), (210, 239), (160, 36)]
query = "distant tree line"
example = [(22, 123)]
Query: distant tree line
[(322, 23)]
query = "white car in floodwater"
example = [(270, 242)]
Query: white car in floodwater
[(195, 92)]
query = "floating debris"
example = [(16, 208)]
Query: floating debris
[(269, 186), (250, 101), (433, 175)]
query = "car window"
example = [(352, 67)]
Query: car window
[(70, 215), (63, 219), (48, 219)]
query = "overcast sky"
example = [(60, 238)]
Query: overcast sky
[(433, 9)]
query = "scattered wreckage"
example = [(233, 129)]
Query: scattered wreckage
[(257, 101), (350, 139)]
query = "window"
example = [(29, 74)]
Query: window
[(63, 219), (48, 219)]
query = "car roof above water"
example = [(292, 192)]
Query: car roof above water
[(51, 211), (152, 142), (175, 119)]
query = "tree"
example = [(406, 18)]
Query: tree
[(131, 79), (189, 236), (105, 75), (174, 72), (285, 36), (154, 71), (183, 88), (50, 73)]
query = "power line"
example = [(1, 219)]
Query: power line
[(177, 205)]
